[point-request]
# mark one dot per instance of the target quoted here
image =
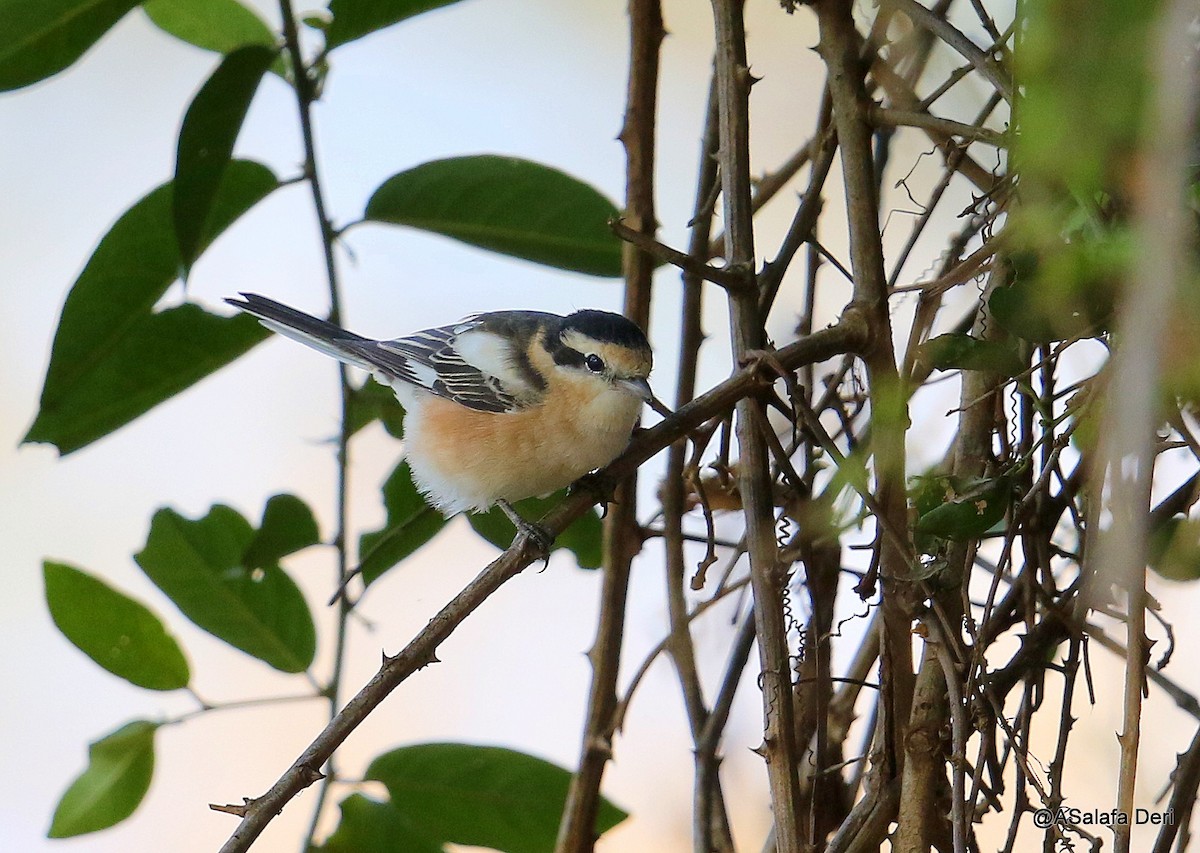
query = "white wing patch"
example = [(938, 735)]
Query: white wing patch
[(492, 355)]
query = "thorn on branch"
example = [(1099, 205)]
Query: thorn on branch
[(310, 774), (236, 811)]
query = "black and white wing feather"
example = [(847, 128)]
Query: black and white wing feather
[(479, 363)]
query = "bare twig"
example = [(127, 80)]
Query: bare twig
[(948, 127), (688, 263), (710, 821), (1165, 241), (305, 90), (839, 47), (767, 575), (622, 533), (947, 32)]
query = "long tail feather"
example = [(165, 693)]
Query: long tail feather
[(319, 334)]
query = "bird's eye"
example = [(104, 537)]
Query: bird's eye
[(594, 363)]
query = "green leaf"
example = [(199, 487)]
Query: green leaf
[(1174, 549), (1066, 291), (118, 775), (217, 25), (120, 634), (353, 19), (114, 358), (210, 128), (481, 795), (582, 538), (372, 401), (369, 826), (152, 361), (968, 509), (201, 566), (42, 37), (507, 205), (318, 21), (410, 524), (963, 352), (1084, 75), (288, 526)]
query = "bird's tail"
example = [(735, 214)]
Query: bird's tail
[(319, 334)]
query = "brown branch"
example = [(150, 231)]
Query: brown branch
[(622, 533), (417, 654), (889, 117), (1186, 781), (902, 97), (709, 817), (826, 803), (839, 46), (947, 32), (767, 575), (688, 263), (805, 218), (769, 185), (709, 738), (924, 791)]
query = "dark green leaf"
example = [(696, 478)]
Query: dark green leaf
[(218, 25), (410, 524), (582, 538), (118, 775), (42, 37), (373, 401), (120, 634), (968, 510), (507, 205), (287, 526), (210, 128), (369, 826), (113, 357), (201, 566), (481, 795), (963, 352), (353, 19)]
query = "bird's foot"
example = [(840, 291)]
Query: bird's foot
[(535, 534), (598, 487)]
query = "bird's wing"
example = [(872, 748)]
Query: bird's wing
[(467, 363)]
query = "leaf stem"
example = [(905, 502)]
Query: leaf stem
[(306, 95)]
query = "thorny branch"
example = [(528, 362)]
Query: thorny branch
[(622, 535)]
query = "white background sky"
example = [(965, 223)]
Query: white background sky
[(535, 78)]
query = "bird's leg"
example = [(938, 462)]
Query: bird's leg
[(538, 535)]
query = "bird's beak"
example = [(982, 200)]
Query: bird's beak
[(639, 388)]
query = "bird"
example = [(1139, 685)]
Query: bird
[(499, 406)]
